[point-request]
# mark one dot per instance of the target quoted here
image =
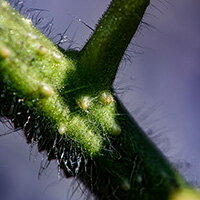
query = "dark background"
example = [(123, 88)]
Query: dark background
[(160, 87)]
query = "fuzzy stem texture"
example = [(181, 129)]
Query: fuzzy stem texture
[(65, 103), (110, 40)]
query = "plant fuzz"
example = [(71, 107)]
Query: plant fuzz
[(65, 103)]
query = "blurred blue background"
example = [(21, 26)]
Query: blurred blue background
[(159, 86)]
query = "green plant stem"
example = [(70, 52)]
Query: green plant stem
[(102, 54), (137, 171), (33, 70), (38, 93)]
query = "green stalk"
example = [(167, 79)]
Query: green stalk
[(33, 69), (65, 103), (110, 40)]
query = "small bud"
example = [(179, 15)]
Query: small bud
[(32, 36), (125, 185), (4, 4), (106, 98), (45, 90), (139, 178), (4, 52), (56, 55), (84, 102), (27, 21), (116, 130), (62, 129), (42, 50)]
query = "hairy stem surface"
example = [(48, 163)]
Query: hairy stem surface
[(65, 104)]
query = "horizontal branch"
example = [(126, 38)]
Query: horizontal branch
[(33, 69)]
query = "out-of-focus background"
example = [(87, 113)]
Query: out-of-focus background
[(159, 82)]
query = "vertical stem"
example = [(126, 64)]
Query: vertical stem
[(100, 57)]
